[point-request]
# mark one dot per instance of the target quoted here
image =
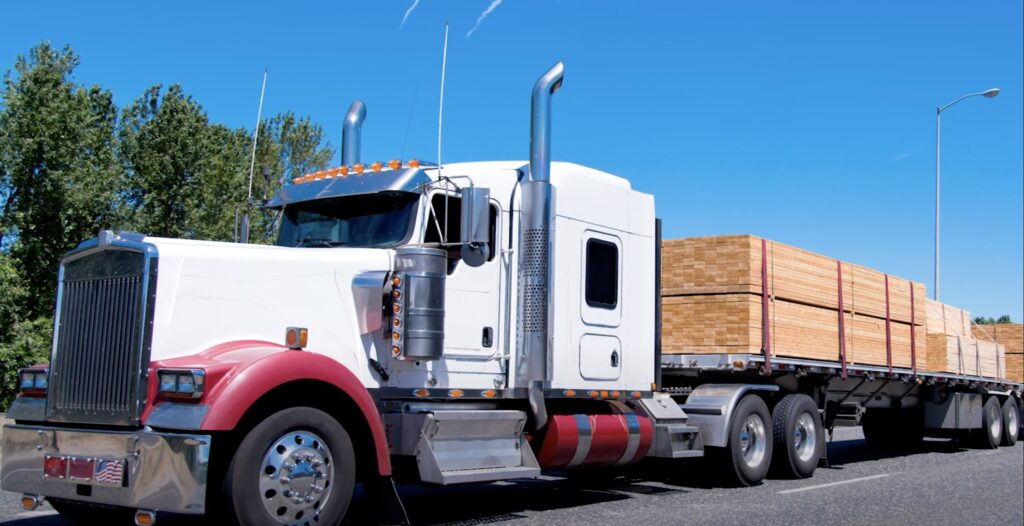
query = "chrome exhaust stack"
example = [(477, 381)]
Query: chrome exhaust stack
[(351, 133), (534, 317)]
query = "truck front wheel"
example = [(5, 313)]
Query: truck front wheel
[(798, 435), (298, 464)]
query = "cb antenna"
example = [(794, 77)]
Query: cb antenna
[(252, 162), (440, 105)]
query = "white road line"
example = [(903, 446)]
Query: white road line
[(830, 484)]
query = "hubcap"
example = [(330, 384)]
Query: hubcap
[(752, 441), (805, 437), (295, 477)]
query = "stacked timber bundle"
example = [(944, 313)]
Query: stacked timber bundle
[(740, 294), (953, 347), (1010, 336)]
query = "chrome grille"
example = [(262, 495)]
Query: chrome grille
[(101, 338)]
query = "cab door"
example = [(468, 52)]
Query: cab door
[(473, 301)]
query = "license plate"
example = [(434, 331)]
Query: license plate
[(88, 470)]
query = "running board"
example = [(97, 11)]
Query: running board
[(460, 446)]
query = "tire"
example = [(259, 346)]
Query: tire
[(298, 464), (991, 432), (748, 454), (1011, 422), (88, 514), (799, 438)]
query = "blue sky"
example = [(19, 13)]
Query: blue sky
[(812, 123)]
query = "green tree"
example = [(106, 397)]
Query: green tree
[(165, 147), (58, 176)]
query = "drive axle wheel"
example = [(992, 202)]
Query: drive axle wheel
[(1011, 421), (991, 432), (798, 435), (748, 454), (299, 464)]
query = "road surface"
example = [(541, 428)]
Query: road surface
[(941, 484)]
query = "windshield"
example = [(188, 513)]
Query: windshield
[(368, 221)]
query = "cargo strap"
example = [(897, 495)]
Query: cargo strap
[(913, 343), (766, 335), (888, 329), (842, 321)]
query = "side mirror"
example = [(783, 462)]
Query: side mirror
[(475, 225)]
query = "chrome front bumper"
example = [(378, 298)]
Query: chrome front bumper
[(164, 471)]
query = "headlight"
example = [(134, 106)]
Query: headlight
[(181, 383), (33, 380)]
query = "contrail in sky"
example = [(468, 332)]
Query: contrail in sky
[(409, 12), (494, 5)]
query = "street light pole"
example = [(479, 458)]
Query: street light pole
[(938, 136)]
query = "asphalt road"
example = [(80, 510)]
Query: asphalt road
[(941, 484)]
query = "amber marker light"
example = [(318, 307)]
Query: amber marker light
[(307, 178), (604, 394), (635, 394), (593, 394), (421, 393), (397, 294), (394, 164), (488, 393), (332, 173), (396, 308), (396, 336), (343, 170), (414, 163), (297, 180), (616, 394), (396, 281), (395, 350), (296, 337), (396, 322), (376, 166), (569, 393), (358, 168), (456, 393), (318, 175)]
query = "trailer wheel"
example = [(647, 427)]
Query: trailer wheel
[(298, 464), (1011, 422), (991, 433), (798, 436), (749, 450)]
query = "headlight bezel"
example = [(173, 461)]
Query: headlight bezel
[(33, 381), (180, 384)]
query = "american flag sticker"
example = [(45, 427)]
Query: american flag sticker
[(109, 471)]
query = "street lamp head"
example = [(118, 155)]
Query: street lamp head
[(991, 93)]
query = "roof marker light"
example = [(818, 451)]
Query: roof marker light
[(414, 163), (343, 170), (394, 164), (358, 168), (376, 166)]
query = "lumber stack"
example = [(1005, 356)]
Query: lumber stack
[(712, 303), (954, 348), (1011, 336)]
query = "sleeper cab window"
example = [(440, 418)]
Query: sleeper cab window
[(602, 274)]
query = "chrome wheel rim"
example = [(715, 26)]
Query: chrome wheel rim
[(805, 437), (752, 441), (295, 477), (994, 421), (1011, 421)]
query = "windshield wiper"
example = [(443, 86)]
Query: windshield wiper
[(316, 242)]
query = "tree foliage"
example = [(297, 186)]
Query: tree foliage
[(71, 164), (59, 173), (982, 320)]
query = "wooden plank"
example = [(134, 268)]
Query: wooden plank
[(732, 264)]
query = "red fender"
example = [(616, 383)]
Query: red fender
[(239, 373)]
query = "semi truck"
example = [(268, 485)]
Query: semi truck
[(442, 325)]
